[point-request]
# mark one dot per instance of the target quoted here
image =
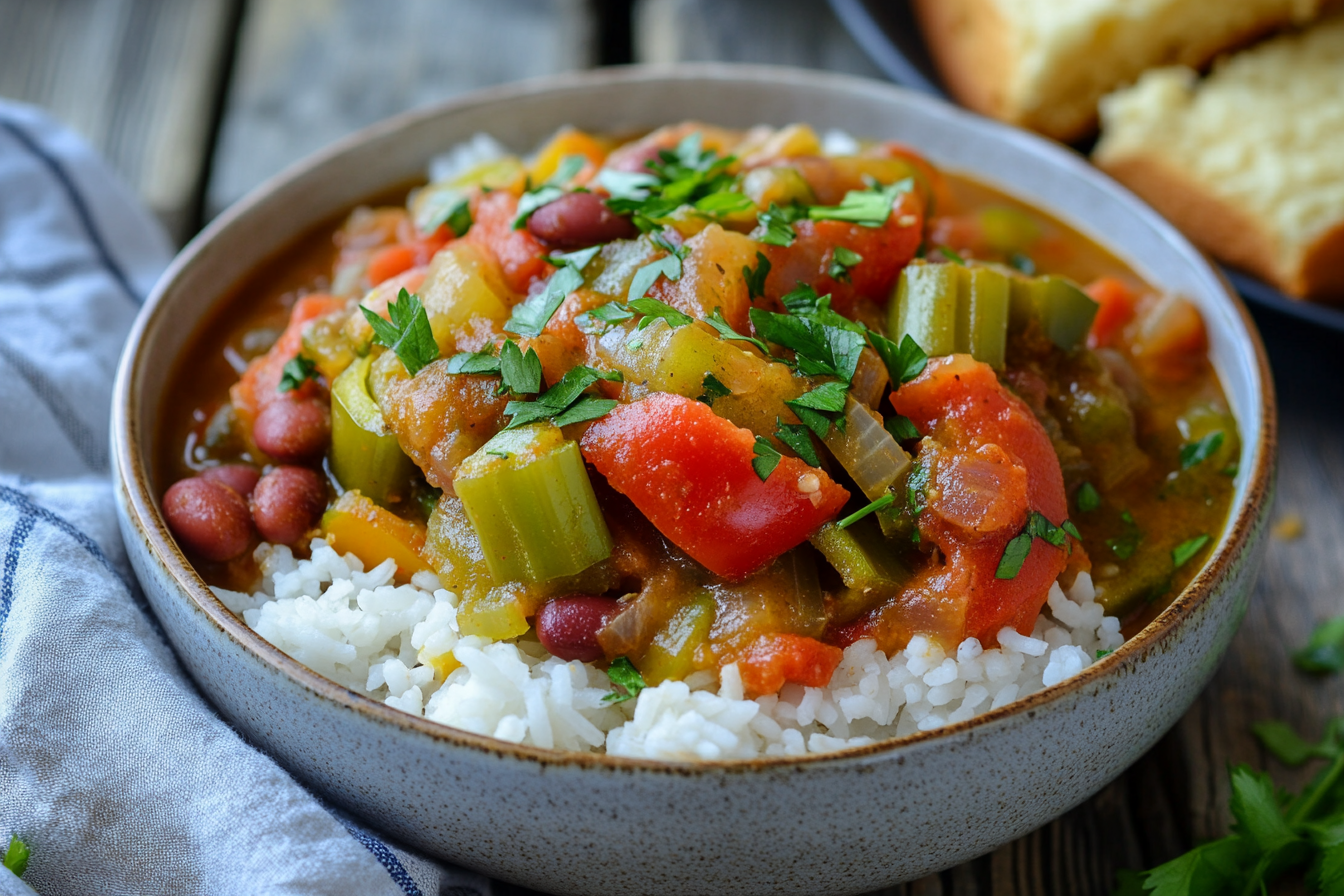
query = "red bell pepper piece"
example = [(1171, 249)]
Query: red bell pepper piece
[(689, 471)]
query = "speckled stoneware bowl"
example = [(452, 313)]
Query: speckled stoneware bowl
[(840, 823)]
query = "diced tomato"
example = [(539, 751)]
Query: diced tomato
[(520, 255), (390, 261), (980, 436), (259, 383), (773, 659), (885, 250), (1171, 342), (689, 471), (1116, 301)]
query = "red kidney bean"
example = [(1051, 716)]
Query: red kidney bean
[(576, 220), (208, 518), (292, 430), (568, 626), (242, 478), (287, 502)]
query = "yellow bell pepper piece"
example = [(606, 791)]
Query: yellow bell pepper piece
[(356, 525), (566, 142)]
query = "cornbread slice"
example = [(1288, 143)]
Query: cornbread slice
[(1248, 162), (1044, 64)]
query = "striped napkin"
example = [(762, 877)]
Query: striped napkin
[(113, 769)]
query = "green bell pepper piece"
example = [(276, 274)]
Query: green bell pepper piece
[(365, 454)]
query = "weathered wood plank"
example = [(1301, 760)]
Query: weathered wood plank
[(782, 32), (311, 71), (138, 78)]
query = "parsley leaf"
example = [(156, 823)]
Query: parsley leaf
[(483, 361), (296, 372), (633, 185), (565, 400), (819, 350), (1198, 452), (1014, 555), (905, 361), (1088, 498), (724, 202), (1324, 651), (669, 266), (795, 435), (1255, 807), (443, 205), (1290, 748), (625, 676), (767, 458), (725, 331), (16, 856), (686, 175), (531, 317), (868, 208), (521, 373), (951, 255), (712, 389), (1016, 551), (821, 408), (598, 320), (885, 501), (842, 260), (776, 225), (1181, 554), (1127, 543), (756, 279), (902, 428), (652, 309), (1022, 263), (548, 192), (408, 333)]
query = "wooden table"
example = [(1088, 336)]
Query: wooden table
[(197, 101)]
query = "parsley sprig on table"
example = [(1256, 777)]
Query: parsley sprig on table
[(16, 856)]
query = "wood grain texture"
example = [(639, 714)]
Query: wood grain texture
[(782, 32), (137, 78), (311, 71)]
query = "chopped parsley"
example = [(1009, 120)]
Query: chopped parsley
[(652, 309), (766, 459), (821, 408), (1102, 654), (668, 266), (1198, 452), (905, 361), (775, 225), (796, 436), (1127, 543), (16, 856), (1324, 651), (885, 501), (548, 192), (599, 320), (1022, 263), (723, 203), (819, 349), (952, 255), (483, 362), (1088, 498), (726, 331), (902, 428), (1016, 551), (408, 332), (521, 373), (755, 279), (565, 402), (868, 208), (686, 175), (842, 260), (296, 372), (1183, 552), (532, 316), (626, 678), (712, 389)]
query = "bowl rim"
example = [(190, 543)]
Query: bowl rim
[(141, 507)]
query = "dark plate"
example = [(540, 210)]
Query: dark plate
[(887, 32)]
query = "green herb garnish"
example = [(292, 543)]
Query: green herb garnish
[(16, 856), (796, 436), (951, 255), (296, 372), (1198, 452), (1181, 554), (766, 459), (1022, 263), (686, 175), (1088, 498), (885, 501), (868, 208), (1127, 543), (483, 362), (1016, 551), (532, 316), (1324, 651), (652, 309), (712, 389), (408, 333), (548, 192), (599, 320), (902, 428), (821, 408), (566, 402), (755, 279), (905, 361), (776, 224), (842, 260), (725, 331), (625, 676), (819, 349), (521, 373)]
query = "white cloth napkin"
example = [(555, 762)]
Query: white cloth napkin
[(113, 769)]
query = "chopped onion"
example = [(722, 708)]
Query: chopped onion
[(867, 451)]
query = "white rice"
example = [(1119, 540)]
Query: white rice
[(385, 641)]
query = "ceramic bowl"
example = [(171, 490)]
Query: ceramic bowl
[(838, 823)]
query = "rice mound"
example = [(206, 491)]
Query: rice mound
[(400, 644)]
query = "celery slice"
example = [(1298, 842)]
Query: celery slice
[(1064, 311), (925, 307), (870, 454), (862, 557), (982, 315), (528, 496), (671, 655), (365, 455)]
